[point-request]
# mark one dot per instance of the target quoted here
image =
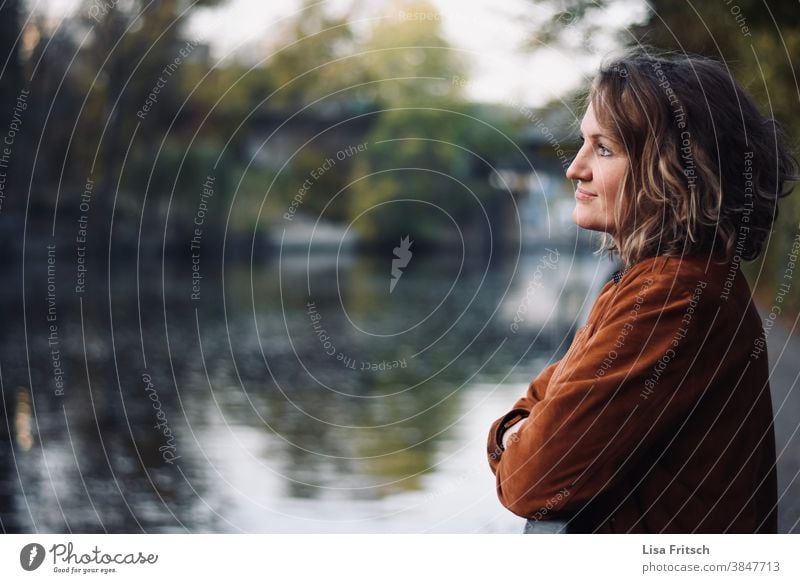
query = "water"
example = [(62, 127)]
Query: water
[(297, 395)]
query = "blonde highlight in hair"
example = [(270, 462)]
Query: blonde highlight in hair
[(706, 168)]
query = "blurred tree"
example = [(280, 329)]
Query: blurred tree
[(431, 154), (11, 84), (10, 37), (89, 75), (43, 61), (134, 47), (337, 74), (130, 76), (422, 145), (11, 81), (407, 60), (308, 63)]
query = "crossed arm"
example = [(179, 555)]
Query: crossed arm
[(579, 424)]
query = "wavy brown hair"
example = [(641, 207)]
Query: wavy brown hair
[(707, 168)]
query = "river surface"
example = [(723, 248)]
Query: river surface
[(303, 394)]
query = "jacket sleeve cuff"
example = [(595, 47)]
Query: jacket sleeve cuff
[(499, 427)]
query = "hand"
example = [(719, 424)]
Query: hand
[(508, 433)]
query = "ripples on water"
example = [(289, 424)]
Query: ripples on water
[(236, 414)]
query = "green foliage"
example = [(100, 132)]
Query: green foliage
[(326, 83), (569, 22), (403, 71), (409, 62), (432, 155), (307, 65), (324, 175)]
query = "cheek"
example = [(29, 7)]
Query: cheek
[(614, 187)]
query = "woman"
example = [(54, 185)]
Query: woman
[(659, 418)]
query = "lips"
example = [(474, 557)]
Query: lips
[(581, 194)]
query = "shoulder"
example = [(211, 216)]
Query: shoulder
[(665, 282), (678, 274)]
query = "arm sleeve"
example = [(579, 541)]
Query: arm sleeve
[(536, 392), (614, 394)]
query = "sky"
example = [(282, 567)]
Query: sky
[(491, 35), (491, 32)]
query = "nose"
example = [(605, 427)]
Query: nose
[(580, 169)]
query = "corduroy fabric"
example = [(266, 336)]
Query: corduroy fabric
[(658, 419)]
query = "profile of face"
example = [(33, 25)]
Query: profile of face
[(598, 168)]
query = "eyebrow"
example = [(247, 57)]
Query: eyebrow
[(597, 135)]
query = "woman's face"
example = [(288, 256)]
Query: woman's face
[(599, 168)]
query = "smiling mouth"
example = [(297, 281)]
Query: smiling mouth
[(581, 194)]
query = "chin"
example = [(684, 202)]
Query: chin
[(581, 221), (589, 223)]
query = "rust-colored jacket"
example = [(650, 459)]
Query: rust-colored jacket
[(659, 416)]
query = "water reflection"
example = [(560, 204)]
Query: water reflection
[(296, 397)]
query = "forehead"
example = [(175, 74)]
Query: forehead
[(589, 118), (592, 126)]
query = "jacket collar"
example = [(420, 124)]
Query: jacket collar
[(617, 275)]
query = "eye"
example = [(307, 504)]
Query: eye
[(604, 151)]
